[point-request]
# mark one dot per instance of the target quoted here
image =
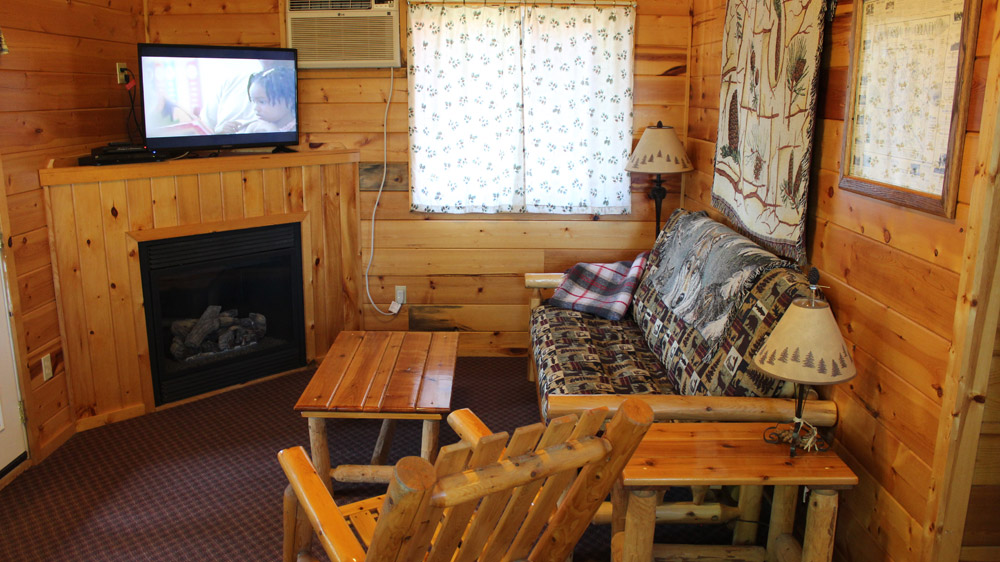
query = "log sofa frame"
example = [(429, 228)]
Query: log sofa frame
[(821, 413)]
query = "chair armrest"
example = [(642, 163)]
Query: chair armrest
[(332, 529), (821, 413), (468, 426), (542, 280)]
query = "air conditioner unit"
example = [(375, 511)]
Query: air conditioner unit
[(344, 33)]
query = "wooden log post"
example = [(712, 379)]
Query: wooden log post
[(782, 516), (619, 505), (429, 439), (640, 522), (319, 450), (749, 504), (821, 524), (384, 441)]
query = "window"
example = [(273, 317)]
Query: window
[(520, 108)]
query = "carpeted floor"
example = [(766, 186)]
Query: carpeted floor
[(201, 481)]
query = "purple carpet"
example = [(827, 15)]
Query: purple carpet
[(201, 481)]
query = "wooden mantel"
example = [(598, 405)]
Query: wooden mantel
[(98, 214)]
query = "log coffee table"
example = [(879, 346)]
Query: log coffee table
[(380, 375), (710, 454)]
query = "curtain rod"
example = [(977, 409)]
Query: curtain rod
[(595, 3)]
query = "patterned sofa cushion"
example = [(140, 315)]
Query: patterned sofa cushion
[(708, 299), (579, 353)]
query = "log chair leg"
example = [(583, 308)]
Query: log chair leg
[(429, 440), (297, 537), (384, 442), (320, 451), (617, 547), (782, 516), (619, 505), (746, 527), (640, 522), (821, 525)]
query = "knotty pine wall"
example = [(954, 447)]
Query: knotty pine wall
[(981, 536), (59, 99), (462, 272), (893, 278)]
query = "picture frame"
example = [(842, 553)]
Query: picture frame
[(909, 82)]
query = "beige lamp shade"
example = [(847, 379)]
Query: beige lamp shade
[(806, 346), (659, 152)]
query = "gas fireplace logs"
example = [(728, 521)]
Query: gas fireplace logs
[(216, 331)]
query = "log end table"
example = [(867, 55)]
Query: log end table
[(379, 375), (711, 454)]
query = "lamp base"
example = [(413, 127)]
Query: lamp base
[(799, 434)]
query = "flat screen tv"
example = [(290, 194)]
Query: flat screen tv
[(206, 97)]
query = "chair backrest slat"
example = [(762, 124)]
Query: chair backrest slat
[(456, 520), (520, 545), (558, 431), (492, 506), (592, 486)]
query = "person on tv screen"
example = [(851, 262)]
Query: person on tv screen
[(272, 93)]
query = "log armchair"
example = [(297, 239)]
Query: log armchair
[(486, 498)]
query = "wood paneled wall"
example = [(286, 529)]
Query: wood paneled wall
[(893, 275), (462, 272), (99, 215), (59, 99), (981, 536)]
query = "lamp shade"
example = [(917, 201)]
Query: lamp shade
[(806, 346), (659, 152)]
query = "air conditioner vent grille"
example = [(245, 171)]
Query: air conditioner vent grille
[(363, 38), (309, 5)]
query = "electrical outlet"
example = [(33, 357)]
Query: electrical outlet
[(401, 294), (47, 367), (120, 71)]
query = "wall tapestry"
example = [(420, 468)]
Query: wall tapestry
[(770, 57)]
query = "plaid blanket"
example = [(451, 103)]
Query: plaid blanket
[(602, 289)]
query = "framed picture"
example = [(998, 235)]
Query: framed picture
[(908, 99)]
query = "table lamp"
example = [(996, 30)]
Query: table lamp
[(659, 152), (806, 348)]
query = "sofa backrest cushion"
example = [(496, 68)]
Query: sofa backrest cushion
[(708, 299)]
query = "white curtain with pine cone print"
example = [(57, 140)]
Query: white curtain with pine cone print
[(520, 109)]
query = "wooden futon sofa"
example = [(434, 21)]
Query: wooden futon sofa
[(707, 300)]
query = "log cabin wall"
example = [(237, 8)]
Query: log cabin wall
[(462, 272), (981, 536), (893, 277), (59, 99)]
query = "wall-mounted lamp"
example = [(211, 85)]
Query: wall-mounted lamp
[(659, 152)]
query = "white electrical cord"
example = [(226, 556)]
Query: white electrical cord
[(385, 166)]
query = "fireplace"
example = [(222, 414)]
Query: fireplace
[(222, 308)]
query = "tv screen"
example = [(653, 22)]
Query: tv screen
[(202, 97)]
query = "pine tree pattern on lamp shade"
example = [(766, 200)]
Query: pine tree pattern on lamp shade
[(806, 346), (3, 44)]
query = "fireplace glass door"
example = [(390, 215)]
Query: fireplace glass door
[(222, 308)]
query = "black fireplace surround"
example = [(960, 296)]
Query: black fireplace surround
[(254, 270)]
